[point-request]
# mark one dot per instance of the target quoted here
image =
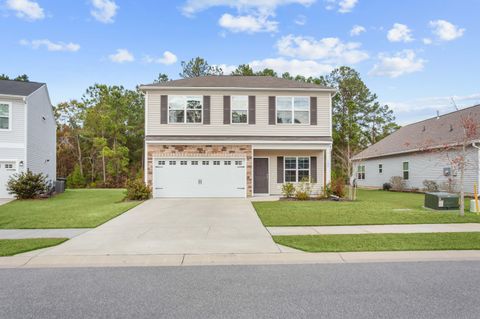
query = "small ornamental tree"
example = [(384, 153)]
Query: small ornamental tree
[(27, 185)]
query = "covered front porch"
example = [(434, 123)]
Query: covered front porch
[(276, 164)]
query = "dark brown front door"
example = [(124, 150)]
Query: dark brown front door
[(260, 175)]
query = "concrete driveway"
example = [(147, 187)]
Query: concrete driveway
[(176, 226)]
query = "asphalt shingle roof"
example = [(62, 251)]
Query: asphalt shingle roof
[(20, 88), (435, 132), (234, 81)]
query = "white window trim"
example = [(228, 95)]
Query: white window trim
[(364, 171), (231, 110), (408, 170), (10, 115), (379, 168), (293, 110), (185, 110), (296, 168)]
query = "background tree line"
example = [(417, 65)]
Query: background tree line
[(100, 137)]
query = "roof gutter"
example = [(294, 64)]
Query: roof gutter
[(213, 88)]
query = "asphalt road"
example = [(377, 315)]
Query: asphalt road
[(387, 290)]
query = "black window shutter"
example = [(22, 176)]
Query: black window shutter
[(226, 109), (164, 109), (251, 109), (271, 111), (313, 169), (313, 110), (206, 109), (280, 169)]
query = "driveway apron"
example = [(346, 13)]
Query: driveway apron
[(176, 226)]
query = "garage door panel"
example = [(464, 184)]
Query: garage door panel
[(209, 177)]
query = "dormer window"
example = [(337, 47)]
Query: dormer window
[(5, 116)]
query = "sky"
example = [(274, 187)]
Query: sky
[(417, 56)]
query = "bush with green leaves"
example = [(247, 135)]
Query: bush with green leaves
[(288, 190), (28, 185), (76, 178), (303, 189), (137, 190), (387, 186)]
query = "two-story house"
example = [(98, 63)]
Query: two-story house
[(236, 136), (27, 131)]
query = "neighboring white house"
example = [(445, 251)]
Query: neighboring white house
[(236, 136), (27, 131), (426, 150)]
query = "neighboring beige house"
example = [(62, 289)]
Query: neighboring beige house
[(27, 131), (236, 136), (421, 151)]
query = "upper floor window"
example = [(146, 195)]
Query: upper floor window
[(184, 109), (293, 110), (406, 171), (239, 109), (361, 172), (5, 116)]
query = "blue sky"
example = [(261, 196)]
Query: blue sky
[(415, 55)]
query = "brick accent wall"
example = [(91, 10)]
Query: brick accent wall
[(196, 150)]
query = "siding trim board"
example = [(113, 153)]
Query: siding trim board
[(237, 138)]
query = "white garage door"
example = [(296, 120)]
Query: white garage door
[(7, 169), (199, 177)]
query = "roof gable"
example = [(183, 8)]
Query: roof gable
[(435, 132), (19, 88)]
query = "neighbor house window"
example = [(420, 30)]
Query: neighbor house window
[(296, 169), (361, 172), (239, 109), (184, 109), (293, 110), (5, 116), (406, 173), (380, 168)]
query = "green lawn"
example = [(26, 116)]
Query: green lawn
[(79, 208), (372, 207), (9, 247), (382, 242)]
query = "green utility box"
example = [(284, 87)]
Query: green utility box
[(441, 201)]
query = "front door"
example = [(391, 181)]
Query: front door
[(260, 175)]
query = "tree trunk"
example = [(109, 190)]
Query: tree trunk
[(79, 150)]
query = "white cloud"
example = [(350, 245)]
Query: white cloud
[(294, 66), (357, 30), (400, 63), (263, 6), (104, 10), (227, 69), (441, 103), (300, 19), (332, 50), (26, 9), (399, 33), (446, 31), (122, 55), (51, 46), (343, 6), (167, 58), (427, 41), (247, 23)]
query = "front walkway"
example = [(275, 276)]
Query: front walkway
[(5, 200), (41, 233), (374, 229), (175, 226)]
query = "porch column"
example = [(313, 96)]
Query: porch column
[(328, 165)]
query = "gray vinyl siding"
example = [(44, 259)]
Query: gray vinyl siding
[(17, 132), (422, 166), (41, 134), (217, 126)]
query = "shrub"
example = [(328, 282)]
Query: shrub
[(303, 189), (387, 186), (76, 179), (27, 185), (398, 183), (430, 186), (288, 190), (137, 190), (338, 187)]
